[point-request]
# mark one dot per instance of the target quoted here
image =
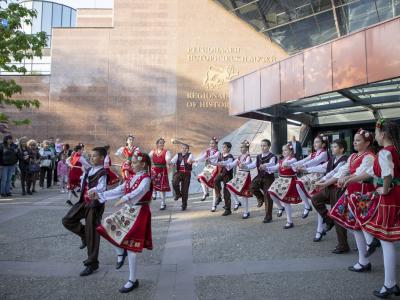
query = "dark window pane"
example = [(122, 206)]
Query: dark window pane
[(66, 17), (37, 22), (46, 17), (226, 3), (73, 18), (57, 10)]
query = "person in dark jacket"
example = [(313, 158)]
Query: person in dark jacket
[(23, 159), (8, 160)]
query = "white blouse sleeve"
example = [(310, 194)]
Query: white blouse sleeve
[(321, 168), (273, 169), (251, 165), (174, 159), (344, 170), (386, 163), (333, 172), (290, 162), (191, 158), (113, 194), (168, 157), (367, 166), (139, 192), (101, 185), (119, 151), (214, 158), (151, 154), (272, 162), (322, 157), (302, 161), (233, 164), (84, 162)]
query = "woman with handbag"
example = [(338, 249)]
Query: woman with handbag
[(23, 162), (46, 157), (33, 168)]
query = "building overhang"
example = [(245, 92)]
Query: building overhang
[(355, 78)]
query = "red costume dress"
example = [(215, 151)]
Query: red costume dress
[(240, 184), (75, 172), (210, 171), (127, 164), (129, 227), (381, 215), (112, 178), (159, 171), (284, 187), (341, 212)]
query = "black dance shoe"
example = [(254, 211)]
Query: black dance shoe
[(121, 263), (363, 268), (74, 193), (305, 215), (83, 245), (135, 285), (339, 250), (205, 196), (68, 202), (288, 226), (329, 224), (213, 209), (267, 220), (176, 198), (388, 291), (227, 212), (280, 212), (260, 203), (321, 234), (246, 216), (163, 207), (372, 247), (183, 208), (237, 206), (88, 271), (219, 200)]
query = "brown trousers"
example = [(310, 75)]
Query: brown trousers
[(87, 232), (225, 178), (330, 195), (180, 184), (259, 188)]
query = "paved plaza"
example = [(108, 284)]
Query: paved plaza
[(197, 255)]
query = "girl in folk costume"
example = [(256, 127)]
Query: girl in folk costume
[(240, 184), (160, 158), (380, 217), (126, 154), (352, 176), (283, 190), (210, 170), (306, 184), (77, 163), (112, 177), (129, 228)]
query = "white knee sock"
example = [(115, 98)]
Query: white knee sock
[(304, 198), (245, 202), (69, 195), (204, 188), (368, 237), (120, 252), (162, 194), (214, 198), (288, 209), (389, 262), (320, 224), (276, 201), (235, 198), (362, 248), (132, 268)]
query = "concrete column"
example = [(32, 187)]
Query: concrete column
[(278, 134)]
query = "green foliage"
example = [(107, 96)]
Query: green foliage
[(15, 46)]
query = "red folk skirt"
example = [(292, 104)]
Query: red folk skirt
[(127, 166), (128, 228), (342, 213), (74, 178), (284, 188), (240, 184), (208, 175), (159, 177), (384, 220)]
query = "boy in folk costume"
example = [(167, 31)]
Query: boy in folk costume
[(262, 182), (77, 164), (306, 184), (225, 174), (380, 220), (129, 228), (181, 180), (329, 193), (112, 177), (240, 184), (94, 180), (283, 189), (352, 176), (126, 154), (160, 158), (206, 178)]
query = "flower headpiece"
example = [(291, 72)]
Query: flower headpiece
[(380, 123), (139, 155), (246, 143), (323, 137), (365, 134), (214, 139), (290, 146)]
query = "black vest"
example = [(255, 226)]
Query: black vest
[(188, 167), (332, 164), (91, 182), (263, 160), (224, 170)]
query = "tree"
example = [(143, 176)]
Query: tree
[(15, 46)]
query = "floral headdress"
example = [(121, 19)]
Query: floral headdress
[(290, 146), (366, 135), (380, 123), (139, 155), (214, 139), (246, 143)]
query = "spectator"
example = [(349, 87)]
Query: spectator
[(8, 160), (297, 150), (24, 159), (57, 151), (66, 151), (34, 166), (62, 171), (46, 158)]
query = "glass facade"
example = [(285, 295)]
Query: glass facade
[(49, 15), (299, 24)]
